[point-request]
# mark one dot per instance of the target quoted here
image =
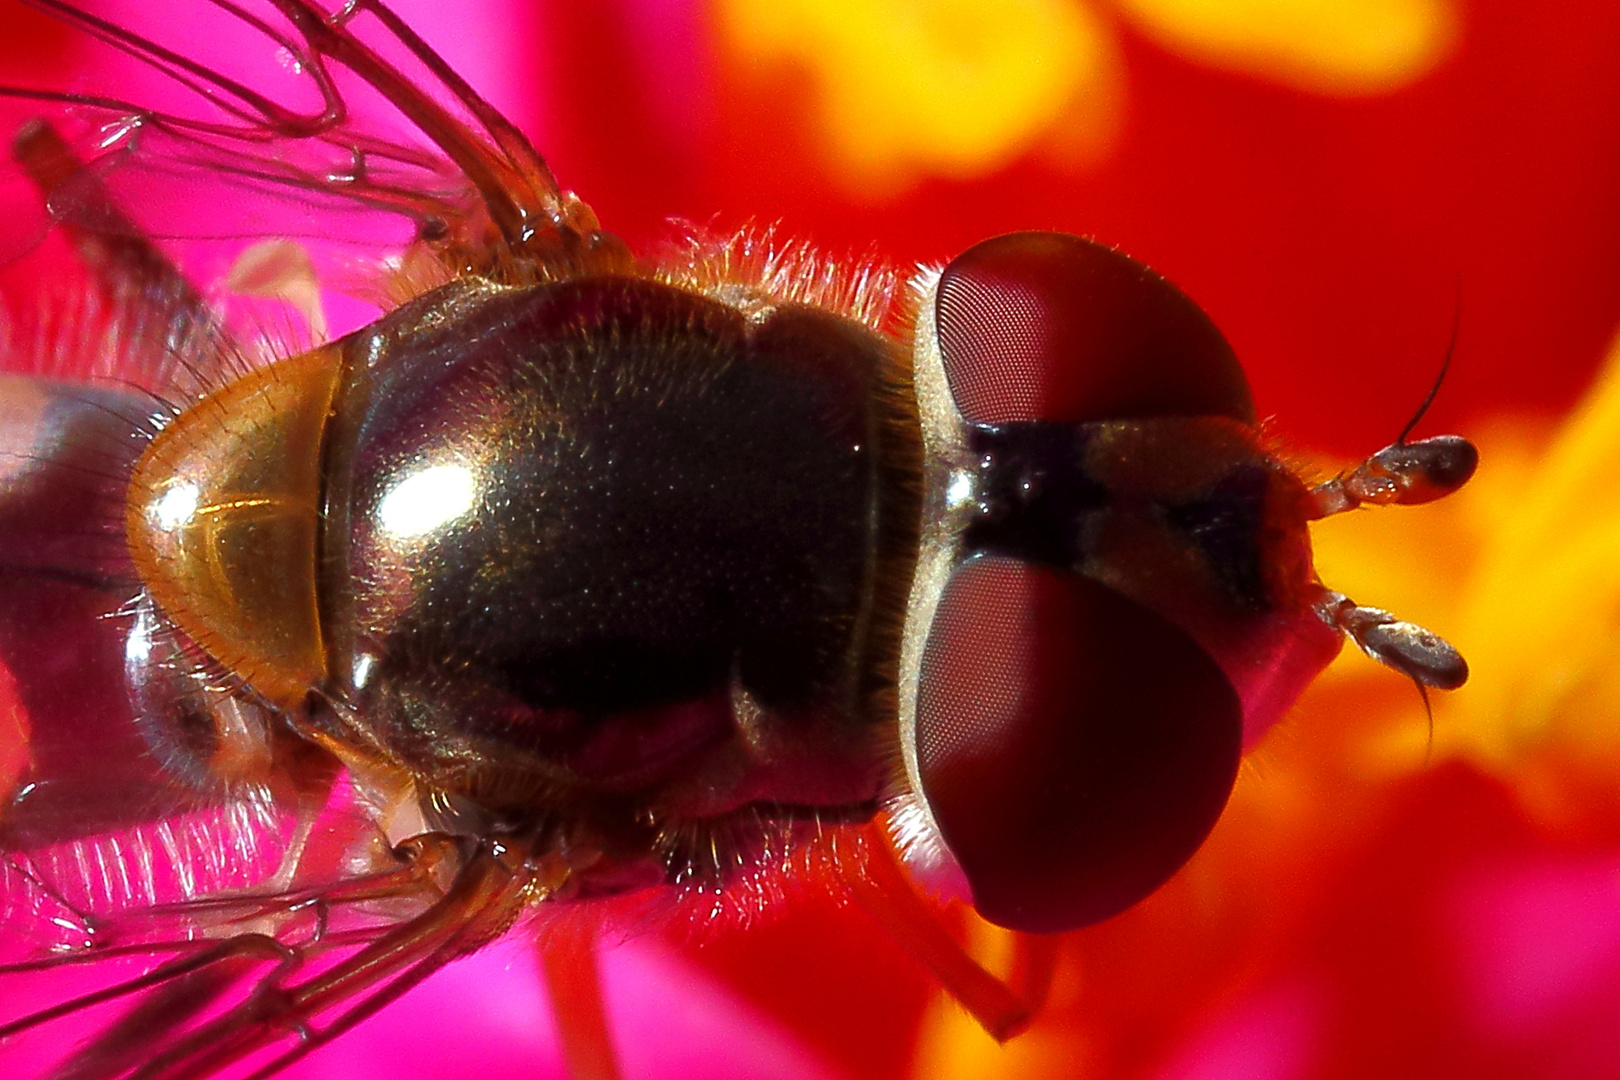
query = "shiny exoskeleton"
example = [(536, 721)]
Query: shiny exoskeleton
[(605, 560), (578, 575)]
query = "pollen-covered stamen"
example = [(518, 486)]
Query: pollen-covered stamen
[(1403, 473), (1421, 655)]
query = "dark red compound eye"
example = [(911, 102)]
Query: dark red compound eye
[(1046, 326), (1074, 747)]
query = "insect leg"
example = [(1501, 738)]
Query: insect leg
[(885, 893), (488, 894), (204, 954), (524, 202), (569, 960), (1033, 968), (415, 877)]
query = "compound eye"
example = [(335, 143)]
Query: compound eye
[(1074, 747), (1046, 326)]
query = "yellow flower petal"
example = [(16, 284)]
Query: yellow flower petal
[(1327, 46), (954, 88), (1545, 606)]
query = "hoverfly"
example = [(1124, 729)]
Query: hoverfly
[(587, 580)]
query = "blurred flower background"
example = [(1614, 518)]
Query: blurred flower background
[(1332, 180)]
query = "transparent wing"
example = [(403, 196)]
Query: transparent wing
[(216, 119), (99, 813), (154, 920)]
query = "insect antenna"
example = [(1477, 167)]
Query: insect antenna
[(1402, 473), (1440, 378), (1405, 473), (1428, 716)]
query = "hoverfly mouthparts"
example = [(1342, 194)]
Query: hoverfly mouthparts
[(575, 576)]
